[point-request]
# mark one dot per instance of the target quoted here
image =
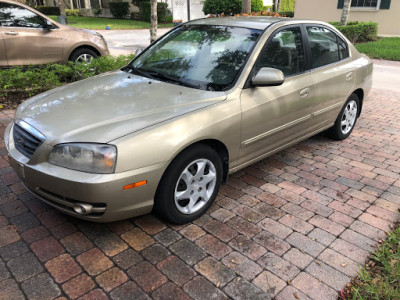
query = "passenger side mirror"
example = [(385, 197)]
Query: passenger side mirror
[(48, 25), (268, 77)]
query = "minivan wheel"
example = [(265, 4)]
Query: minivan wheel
[(190, 185), (83, 55), (346, 120)]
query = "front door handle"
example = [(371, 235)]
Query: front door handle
[(349, 76), (304, 93), (11, 33)]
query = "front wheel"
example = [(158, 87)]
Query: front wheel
[(83, 55), (189, 185), (346, 120)]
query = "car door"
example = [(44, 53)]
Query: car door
[(274, 116), (332, 72), (26, 37)]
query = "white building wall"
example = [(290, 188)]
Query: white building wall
[(180, 9)]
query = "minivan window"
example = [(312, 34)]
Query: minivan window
[(16, 16)]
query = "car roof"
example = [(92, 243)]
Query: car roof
[(240, 21)]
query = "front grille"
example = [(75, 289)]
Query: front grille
[(24, 141)]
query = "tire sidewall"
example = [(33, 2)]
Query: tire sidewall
[(78, 52), (164, 202), (336, 129)]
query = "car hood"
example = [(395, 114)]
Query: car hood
[(108, 106)]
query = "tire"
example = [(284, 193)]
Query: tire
[(346, 119), (189, 186), (83, 55)]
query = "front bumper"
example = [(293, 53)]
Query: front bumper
[(66, 190)]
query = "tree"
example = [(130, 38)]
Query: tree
[(277, 4), (153, 20), (246, 6), (63, 18), (345, 13)]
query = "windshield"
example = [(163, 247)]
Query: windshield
[(200, 56)]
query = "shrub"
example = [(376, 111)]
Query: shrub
[(265, 8), (49, 10), (145, 11), (257, 5), (229, 7), (136, 2), (286, 6), (289, 14), (119, 9), (226, 7), (73, 12), (358, 32), (33, 80), (169, 19), (98, 11)]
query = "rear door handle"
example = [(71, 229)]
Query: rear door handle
[(349, 76), (304, 93), (11, 33)]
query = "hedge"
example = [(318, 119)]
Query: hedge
[(289, 14), (229, 7), (358, 32), (145, 11), (33, 79), (286, 6), (119, 10), (73, 12), (257, 5), (49, 10)]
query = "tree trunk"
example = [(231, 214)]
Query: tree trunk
[(277, 5), (153, 19), (61, 4), (345, 13), (246, 6)]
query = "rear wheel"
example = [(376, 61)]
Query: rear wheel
[(189, 185), (83, 55), (346, 120)]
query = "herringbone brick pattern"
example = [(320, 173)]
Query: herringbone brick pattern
[(297, 225)]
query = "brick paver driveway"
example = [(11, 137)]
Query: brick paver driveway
[(294, 226)]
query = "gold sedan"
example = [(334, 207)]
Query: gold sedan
[(28, 37), (207, 99)]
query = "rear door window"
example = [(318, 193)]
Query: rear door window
[(326, 46)]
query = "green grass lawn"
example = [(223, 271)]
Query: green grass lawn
[(101, 23), (384, 48), (380, 278)]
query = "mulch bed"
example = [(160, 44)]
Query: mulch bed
[(13, 99)]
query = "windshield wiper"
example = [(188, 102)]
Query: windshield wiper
[(159, 76), (173, 80), (138, 71)]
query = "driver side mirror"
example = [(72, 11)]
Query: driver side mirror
[(268, 77)]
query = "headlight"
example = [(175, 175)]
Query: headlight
[(90, 158)]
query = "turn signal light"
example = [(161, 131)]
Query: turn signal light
[(136, 184)]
